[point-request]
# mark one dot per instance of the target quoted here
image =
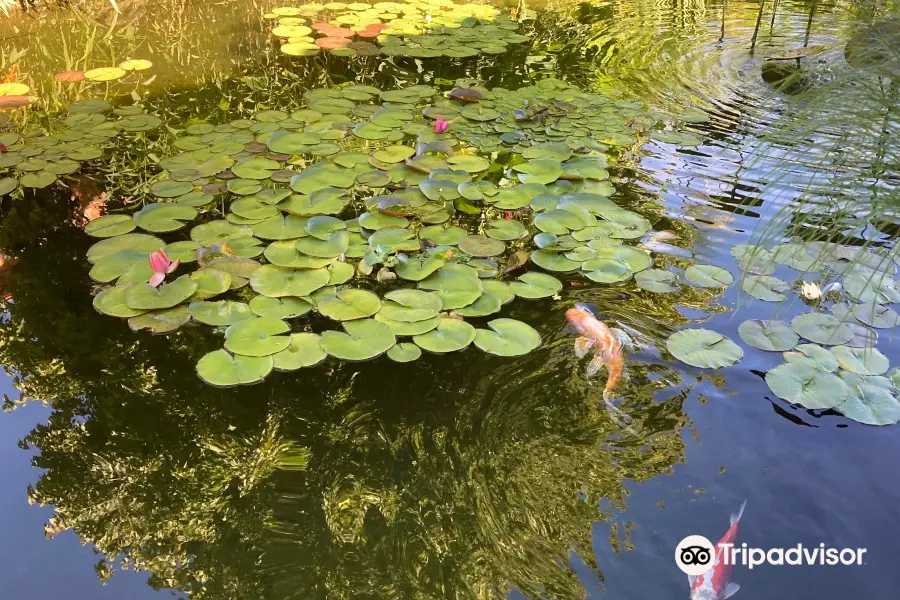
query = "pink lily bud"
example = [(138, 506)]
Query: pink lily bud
[(440, 126), (161, 265)]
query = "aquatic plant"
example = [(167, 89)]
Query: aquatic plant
[(439, 213)]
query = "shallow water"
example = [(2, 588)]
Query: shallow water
[(456, 476)]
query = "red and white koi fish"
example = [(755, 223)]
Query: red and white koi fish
[(608, 345), (714, 584)]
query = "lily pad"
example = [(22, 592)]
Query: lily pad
[(277, 282), (709, 276), (822, 357), (417, 270), (802, 383), (534, 285), (871, 405), (349, 304), (450, 335), (305, 350), (657, 280), (553, 261), (455, 288), (279, 308), (161, 321), (764, 287), (111, 301), (508, 337), (169, 188), (872, 286), (110, 226), (404, 352), (703, 348), (221, 313), (143, 296), (364, 339), (772, 336), (862, 361), (409, 306), (164, 217), (105, 74), (137, 242), (821, 329), (875, 315), (257, 337), (482, 246), (221, 369), (505, 229), (210, 282)]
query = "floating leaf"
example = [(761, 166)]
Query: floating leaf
[(875, 315), (872, 286), (210, 282), (143, 296), (870, 404), (508, 338), (708, 276), (161, 321), (553, 261), (455, 288), (657, 280), (277, 282), (449, 336), (703, 348), (763, 287), (802, 383), (105, 74), (279, 308), (505, 229), (349, 304), (364, 339), (221, 369), (223, 312), (773, 336), (110, 226), (535, 285), (416, 270), (111, 301), (862, 361), (257, 337), (305, 350), (823, 358), (404, 352), (409, 306), (161, 218), (482, 245), (821, 329)]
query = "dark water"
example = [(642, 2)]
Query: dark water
[(458, 476)]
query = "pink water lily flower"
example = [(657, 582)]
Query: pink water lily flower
[(440, 126), (161, 266)]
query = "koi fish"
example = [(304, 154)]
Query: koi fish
[(608, 345), (11, 76), (714, 584)]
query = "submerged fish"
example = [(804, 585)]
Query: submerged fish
[(714, 584), (607, 343)]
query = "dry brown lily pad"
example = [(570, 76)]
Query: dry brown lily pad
[(13, 101), (330, 43), (70, 76)]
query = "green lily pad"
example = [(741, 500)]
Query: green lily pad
[(862, 361), (417, 270), (534, 285), (277, 282), (657, 280), (821, 329), (8, 184), (136, 242), (763, 287), (111, 301), (450, 335), (410, 306), (479, 113), (539, 171), (404, 352), (364, 339), (821, 357), (305, 350), (875, 315), (443, 236), (870, 403), (553, 261), (279, 308), (37, 180), (223, 312), (257, 337), (469, 163), (482, 246), (394, 154), (559, 221), (221, 369), (802, 383), (350, 304), (323, 226), (703, 348), (249, 207), (161, 218), (104, 74), (287, 227), (508, 337), (110, 226), (505, 229), (340, 272), (708, 276), (336, 244), (169, 188), (379, 220), (455, 288), (872, 286), (143, 296), (773, 336), (161, 321), (210, 282)]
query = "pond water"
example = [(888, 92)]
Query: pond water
[(458, 475)]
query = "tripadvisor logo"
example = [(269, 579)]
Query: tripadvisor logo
[(695, 555)]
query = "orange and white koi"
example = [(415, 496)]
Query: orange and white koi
[(715, 584), (607, 343)]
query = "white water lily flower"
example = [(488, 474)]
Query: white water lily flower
[(810, 291), (428, 18)]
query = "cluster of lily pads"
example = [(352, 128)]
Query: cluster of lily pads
[(36, 158), (364, 185), (838, 366), (105, 74), (417, 28)]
